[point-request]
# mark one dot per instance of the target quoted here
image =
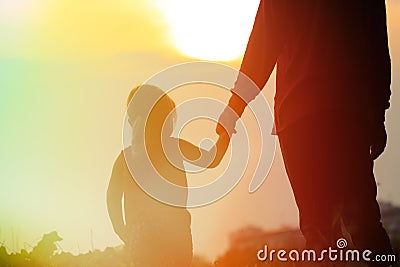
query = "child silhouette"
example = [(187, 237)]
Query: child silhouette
[(155, 233)]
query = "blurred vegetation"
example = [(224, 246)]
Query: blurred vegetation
[(242, 252), (45, 254)]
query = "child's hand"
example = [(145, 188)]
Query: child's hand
[(203, 157)]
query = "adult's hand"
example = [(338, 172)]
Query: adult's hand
[(222, 132), (378, 140), (221, 146), (227, 122)]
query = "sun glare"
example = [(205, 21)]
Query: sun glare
[(210, 29), (11, 10)]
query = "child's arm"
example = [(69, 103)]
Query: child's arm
[(202, 157), (115, 193)]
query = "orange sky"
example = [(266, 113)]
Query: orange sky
[(67, 68)]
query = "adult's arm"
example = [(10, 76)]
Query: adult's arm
[(381, 77), (264, 45), (380, 61)]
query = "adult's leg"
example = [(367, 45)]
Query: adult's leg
[(312, 152), (361, 214), (327, 161)]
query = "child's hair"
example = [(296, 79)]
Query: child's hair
[(150, 103)]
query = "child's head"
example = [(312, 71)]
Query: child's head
[(150, 108)]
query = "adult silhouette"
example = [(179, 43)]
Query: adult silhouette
[(332, 90), (154, 233)]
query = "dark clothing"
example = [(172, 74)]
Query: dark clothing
[(330, 55), (331, 172), (332, 58)]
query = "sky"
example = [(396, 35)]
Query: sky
[(66, 69)]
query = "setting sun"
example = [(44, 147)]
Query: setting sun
[(68, 67), (208, 29)]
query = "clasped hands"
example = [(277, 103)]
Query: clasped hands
[(212, 158)]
